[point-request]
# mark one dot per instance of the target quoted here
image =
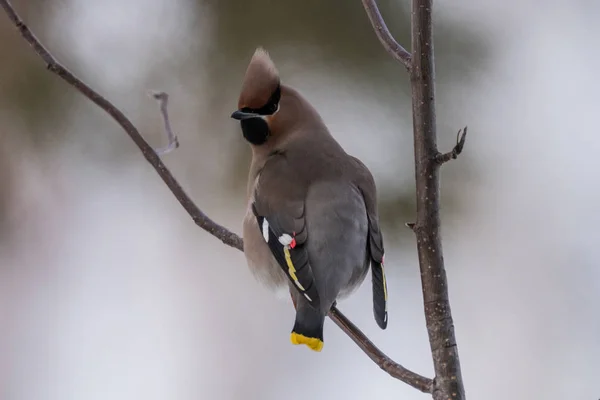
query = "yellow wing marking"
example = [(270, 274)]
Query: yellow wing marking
[(291, 268), (385, 296)]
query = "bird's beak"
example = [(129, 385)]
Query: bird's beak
[(241, 115)]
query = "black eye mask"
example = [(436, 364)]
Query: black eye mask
[(255, 130)]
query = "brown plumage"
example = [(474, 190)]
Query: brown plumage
[(260, 82), (311, 221)]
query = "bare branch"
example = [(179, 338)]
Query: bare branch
[(385, 363), (410, 225), (197, 215), (448, 382), (384, 35), (202, 220), (163, 99), (461, 136)]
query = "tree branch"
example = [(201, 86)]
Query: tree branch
[(385, 363), (173, 142), (440, 326), (448, 382), (461, 136), (202, 220), (384, 35)]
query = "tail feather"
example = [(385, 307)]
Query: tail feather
[(308, 328), (379, 294)]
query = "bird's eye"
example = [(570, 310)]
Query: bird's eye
[(268, 109), (273, 104)]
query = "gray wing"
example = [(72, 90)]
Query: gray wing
[(365, 182), (338, 226), (279, 207)]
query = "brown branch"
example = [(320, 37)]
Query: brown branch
[(202, 220), (448, 382), (461, 136), (385, 363), (384, 35)]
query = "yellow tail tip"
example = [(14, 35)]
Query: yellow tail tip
[(312, 343)]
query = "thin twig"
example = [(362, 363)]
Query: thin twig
[(201, 219), (385, 37), (173, 141), (461, 136), (197, 215), (377, 356)]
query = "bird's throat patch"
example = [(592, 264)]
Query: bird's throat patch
[(255, 130)]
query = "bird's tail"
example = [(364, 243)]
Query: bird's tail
[(380, 298), (308, 328)]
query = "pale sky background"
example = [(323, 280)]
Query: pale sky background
[(109, 291)]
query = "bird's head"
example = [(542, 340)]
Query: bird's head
[(268, 110), (259, 99)]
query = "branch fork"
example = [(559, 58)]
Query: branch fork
[(388, 42), (453, 154)]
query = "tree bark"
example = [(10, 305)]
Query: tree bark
[(447, 384)]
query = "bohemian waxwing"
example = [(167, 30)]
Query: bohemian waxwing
[(312, 220)]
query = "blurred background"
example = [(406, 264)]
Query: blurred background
[(109, 291)]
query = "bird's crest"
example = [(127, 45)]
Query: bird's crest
[(260, 82)]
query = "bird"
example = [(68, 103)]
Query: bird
[(311, 225)]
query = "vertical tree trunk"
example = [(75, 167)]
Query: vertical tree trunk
[(448, 381)]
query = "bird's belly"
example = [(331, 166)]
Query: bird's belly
[(260, 261)]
